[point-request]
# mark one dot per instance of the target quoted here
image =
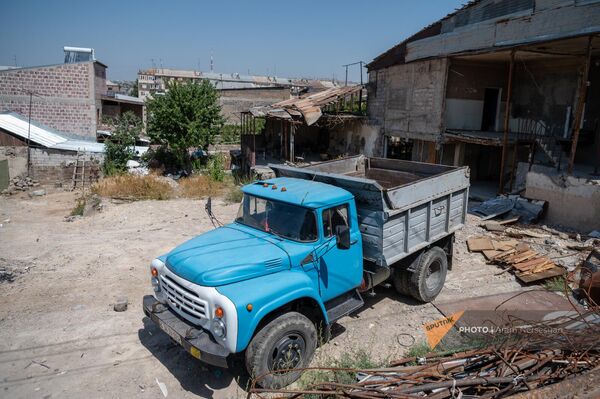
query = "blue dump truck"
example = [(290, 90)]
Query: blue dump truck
[(304, 245)]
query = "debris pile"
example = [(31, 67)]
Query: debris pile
[(538, 356), (20, 183), (527, 264), (512, 206)]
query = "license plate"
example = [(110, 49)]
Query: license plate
[(172, 333)]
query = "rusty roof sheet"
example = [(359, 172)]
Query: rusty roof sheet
[(310, 108)]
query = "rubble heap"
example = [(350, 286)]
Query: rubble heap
[(20, 183)]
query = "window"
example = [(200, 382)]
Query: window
[(284, 220), (334, 217)]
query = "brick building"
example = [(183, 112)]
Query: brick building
[(66, 97)]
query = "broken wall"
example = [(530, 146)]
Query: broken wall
[(355, 137), (544, 92), (572, 202), (407, 100), (465, 93)]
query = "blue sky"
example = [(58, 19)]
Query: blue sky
[(287, 38)]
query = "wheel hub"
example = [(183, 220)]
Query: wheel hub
[(432, 278), (287, 353)]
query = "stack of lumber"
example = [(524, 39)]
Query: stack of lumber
[(527, 264)]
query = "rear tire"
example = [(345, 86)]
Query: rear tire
[(401, 280), (429, 275), (287, 342)]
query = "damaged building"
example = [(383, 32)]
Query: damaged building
[(510, 88), (237, 92), (315, 127)]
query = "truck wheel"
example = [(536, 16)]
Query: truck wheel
[(286, 343), (429, 275), (401, 280)]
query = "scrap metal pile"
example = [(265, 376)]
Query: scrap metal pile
[(537, 356)]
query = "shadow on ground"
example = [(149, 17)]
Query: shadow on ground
[(194, 376)]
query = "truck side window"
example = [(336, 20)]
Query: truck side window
[(334, 217)]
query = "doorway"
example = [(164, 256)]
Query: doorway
[(491, 108)]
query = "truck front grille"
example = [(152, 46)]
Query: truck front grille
[(183, 299)]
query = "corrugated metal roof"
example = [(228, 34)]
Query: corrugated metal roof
[(18, 125), (49, 138), (309, 107)]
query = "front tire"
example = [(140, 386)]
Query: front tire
[(286, 343)]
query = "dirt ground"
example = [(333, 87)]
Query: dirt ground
[(59, 334)]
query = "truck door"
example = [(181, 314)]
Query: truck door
[(340, 270)]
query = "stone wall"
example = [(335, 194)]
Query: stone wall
[(65, 98)]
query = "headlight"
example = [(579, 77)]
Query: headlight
[(218, 328)]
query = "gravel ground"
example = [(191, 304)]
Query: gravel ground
[(59, 334)]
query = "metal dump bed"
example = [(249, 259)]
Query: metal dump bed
[(403, 206)]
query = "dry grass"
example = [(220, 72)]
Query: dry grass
[(200, 186), (134, 187)]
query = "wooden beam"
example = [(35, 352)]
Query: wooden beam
[(580, 105), (506, 119)]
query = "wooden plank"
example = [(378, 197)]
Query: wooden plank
[(508, 221), (529, 278), (478, 244), (504, 245), (490, 254), (530, 264)]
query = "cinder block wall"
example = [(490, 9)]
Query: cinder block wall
[(66, 95), (49, 166)]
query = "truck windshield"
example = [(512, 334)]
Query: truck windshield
[(278, 218)]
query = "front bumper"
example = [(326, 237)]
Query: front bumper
[(194, 340)]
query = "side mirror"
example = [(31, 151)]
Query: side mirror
[(342, 237)]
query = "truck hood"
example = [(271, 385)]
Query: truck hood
[(226, 255)]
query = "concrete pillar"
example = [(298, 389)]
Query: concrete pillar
[(459, 154)]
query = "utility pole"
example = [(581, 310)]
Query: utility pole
[(354, 63), (30, 93)]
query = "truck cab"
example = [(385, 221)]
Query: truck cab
[(293, 248)]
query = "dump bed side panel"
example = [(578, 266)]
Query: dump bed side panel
[(408, 231), (403, 206)]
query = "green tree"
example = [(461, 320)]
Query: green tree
[(188, 115), (134, 89), (120, 145)]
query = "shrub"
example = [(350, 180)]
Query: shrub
[(200, 186), (133, 187), (359, 359), (119, 147), (162, 158), (188, 115), (215, 167), (79, 207)]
